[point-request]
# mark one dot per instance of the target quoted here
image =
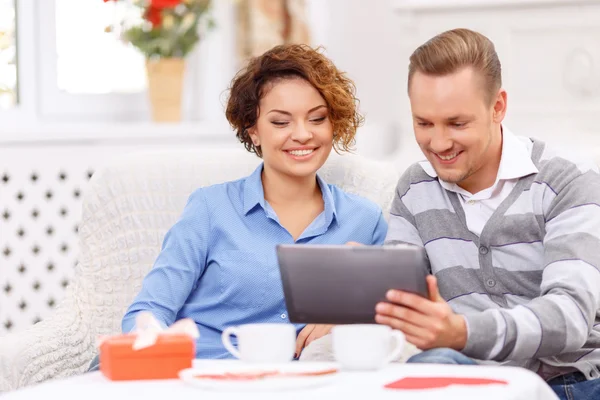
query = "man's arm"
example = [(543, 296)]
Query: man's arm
[(558, 321), (427, 323), (561, 319), (402, 227), (177, 268)]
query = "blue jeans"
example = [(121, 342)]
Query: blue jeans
[(573, 386), (441, 356)]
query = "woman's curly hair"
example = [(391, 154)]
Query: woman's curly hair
[(294, 61)]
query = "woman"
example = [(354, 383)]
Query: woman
[(218, 264)]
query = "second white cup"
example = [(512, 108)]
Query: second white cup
[(261, 342), (366, 347)]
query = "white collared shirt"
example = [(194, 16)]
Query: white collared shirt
[(515, 163)]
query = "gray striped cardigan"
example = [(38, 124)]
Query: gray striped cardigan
[(529, 286)]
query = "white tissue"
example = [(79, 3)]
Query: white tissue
[(147, 329)]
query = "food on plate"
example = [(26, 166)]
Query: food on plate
[(251, 375)]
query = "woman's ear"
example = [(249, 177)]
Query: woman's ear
[(254, 136)]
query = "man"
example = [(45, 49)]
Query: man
[(512, 229)]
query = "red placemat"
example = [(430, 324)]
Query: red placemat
[(420, 383)]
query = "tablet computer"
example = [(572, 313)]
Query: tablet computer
[(341, 284)]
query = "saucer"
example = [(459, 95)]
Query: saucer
[(261, 376)]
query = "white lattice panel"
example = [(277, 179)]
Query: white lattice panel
[(40, 208)]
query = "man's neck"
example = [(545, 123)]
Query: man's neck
[(486, 176)]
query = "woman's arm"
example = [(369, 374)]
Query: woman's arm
[(380, 231), (177, 268)]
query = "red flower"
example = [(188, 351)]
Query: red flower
[(154, 15), (164, 3)]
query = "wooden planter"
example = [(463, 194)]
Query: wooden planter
[(165, 87)]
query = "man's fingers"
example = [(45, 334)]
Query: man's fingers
[(403, 313), (406, 327), (410, 300), (417, 336), (434, 292), (417, 342)]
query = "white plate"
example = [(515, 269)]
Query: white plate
[(264, 384)]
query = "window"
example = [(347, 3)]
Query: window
[(8, 55), (90, 59), (75, 80), (89, 75)]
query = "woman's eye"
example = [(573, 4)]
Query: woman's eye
[(317, 120), (279, 123)]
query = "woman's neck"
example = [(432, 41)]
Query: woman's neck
[(281, 189)]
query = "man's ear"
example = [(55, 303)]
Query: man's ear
[(500, 104)]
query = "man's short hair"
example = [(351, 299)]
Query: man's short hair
[(453, 50)]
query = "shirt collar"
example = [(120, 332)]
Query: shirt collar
[(516, 157), (254, 195), (515, 162), (328, 202)]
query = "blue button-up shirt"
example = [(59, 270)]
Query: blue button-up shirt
[(218, 264)]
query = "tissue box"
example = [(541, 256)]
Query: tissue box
[(170, 354)]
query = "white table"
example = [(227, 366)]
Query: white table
[(523, 384)]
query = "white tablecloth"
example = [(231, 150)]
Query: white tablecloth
[(522, 384)]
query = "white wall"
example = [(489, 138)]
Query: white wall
[(550, 51), (364, 39)]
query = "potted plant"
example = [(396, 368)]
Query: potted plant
[(166, 33)]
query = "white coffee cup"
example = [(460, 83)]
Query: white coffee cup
[(262, 342), (366, 347)]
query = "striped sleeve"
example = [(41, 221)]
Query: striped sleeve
[(561, 318), (401, 225)]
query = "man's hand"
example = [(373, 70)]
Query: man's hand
[(309, 334), (426, 323)]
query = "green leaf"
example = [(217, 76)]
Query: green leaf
[(178, 39)]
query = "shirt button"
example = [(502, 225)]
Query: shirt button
[(483, 250), (491, 282), (283, 316), (471, 202)]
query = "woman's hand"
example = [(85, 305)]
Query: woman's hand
[(309, 334)]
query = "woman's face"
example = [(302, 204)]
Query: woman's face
[(293, 128)]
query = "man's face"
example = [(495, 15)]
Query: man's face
[(456, 127)]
